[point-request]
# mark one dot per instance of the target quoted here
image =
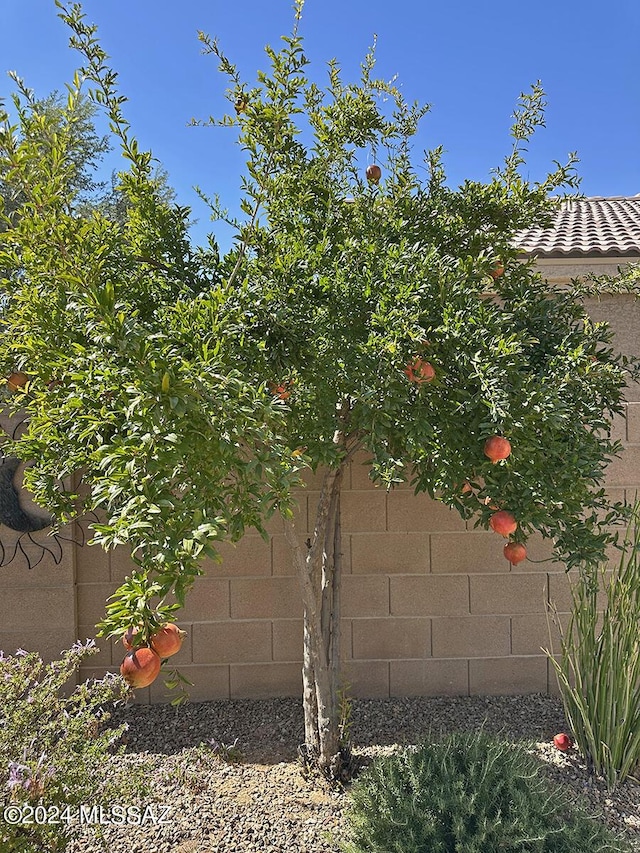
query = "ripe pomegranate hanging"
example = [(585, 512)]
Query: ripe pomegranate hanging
[(140, 667), (17, 380), (167, 640), (514, 552), (419, 371), (374, 173), (281, 390), (128, 640), (497, 447), (497, 270), (503, 522)]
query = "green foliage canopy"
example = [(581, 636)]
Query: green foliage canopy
[(151, 361)]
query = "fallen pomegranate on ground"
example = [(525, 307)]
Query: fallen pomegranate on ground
[(168, 640), (562, 742), (140, 667)]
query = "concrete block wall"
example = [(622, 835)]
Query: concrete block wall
[(430, 606), (37, 605)]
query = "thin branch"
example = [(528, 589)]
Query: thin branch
[(143, 259)]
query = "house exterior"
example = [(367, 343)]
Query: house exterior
[(430, 606)]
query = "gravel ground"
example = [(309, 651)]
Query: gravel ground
[(259, 801)]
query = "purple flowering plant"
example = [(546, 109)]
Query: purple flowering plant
[(55, 744)]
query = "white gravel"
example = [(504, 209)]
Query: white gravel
[(263, 804)]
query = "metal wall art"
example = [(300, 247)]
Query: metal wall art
[(15, 516)]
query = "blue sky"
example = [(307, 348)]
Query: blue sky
[(470, 60)]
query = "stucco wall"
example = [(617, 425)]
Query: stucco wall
[(430, 606)]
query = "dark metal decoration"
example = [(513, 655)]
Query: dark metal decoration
[(11, 513), (14, 516)]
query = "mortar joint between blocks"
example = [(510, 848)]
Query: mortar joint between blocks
[(626, 422), (271, 555)]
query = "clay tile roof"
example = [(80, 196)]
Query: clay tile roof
[(587, 227)]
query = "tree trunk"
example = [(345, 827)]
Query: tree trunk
[(320, 574)]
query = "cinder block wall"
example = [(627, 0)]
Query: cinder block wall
[(38, 605), (430, 606)]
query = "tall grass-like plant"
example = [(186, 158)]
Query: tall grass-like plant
[(598, 669)]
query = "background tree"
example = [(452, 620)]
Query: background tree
[(39, 120), (358, 311)]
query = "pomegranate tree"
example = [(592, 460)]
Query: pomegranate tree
[(166, 349)]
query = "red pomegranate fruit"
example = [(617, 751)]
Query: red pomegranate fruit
[(281, 390), (374, 173), (17, 380), (168, 640), (562, 742), (514, 552), (497, 447), (503, 522), (128, 640), (140, 667), (497, 270), (418, 370)]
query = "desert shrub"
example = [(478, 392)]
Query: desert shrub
[(598, 669), (54, 748), (467, 793)]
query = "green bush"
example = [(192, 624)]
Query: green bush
[(467, 793), (599, 667), (54, 749)]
